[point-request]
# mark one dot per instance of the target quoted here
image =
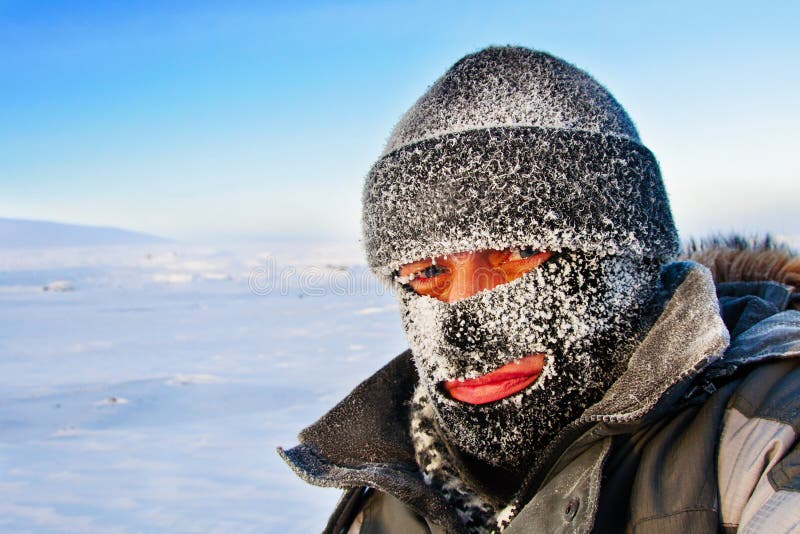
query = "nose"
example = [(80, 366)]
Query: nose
[(471, 273)]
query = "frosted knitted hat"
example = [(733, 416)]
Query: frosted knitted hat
[(514, 147)]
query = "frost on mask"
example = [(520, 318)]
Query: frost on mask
[(585, 313)]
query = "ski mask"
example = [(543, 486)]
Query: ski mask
[(581, 312), (514, 148)]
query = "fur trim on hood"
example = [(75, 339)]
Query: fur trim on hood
[(739, 259)]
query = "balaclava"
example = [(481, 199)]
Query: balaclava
[(517, 148)]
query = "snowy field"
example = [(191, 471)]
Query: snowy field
[(145, 388)]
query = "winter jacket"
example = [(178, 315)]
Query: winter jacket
[(698, 435)]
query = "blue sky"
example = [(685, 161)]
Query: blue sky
[(212, 120)]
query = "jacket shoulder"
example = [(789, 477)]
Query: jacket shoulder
[(759, 457)]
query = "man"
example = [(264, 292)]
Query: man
[(564, 373)]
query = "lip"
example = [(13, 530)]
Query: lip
[(501, 383)]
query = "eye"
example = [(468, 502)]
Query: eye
[(425, 278), (431, 271), (522, 253), (419, 272)]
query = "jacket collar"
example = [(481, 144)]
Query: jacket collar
[(688, 335), (364, 441)]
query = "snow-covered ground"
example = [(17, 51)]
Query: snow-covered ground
[(144, 388)]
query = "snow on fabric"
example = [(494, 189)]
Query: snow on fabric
[(513, 147), (584, 313), (512, 86), (437, 470)]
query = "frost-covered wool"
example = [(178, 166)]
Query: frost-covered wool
[(512, 86), (585, 313), (513, 147), (438, 471)]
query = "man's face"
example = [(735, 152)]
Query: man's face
[(512, 345), (459, 276)]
